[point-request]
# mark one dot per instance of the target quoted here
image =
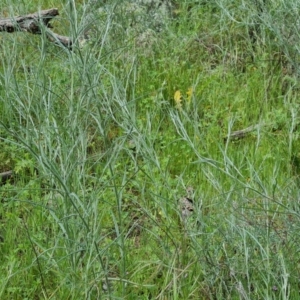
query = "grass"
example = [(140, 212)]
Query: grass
[(101, 152)]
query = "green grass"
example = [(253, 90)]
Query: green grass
[(101, 153)]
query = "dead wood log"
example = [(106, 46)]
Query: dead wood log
[(33, 23), (239, 134), (5, 176)]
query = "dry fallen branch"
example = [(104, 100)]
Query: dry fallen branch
[(33, 23), (5, 176), (239, 134)]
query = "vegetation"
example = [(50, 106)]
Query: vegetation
[(105, 139)]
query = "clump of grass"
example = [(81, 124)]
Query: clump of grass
[(105, 139)]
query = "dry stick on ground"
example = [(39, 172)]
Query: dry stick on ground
[(32, 23), (5, 176), (239, 134)]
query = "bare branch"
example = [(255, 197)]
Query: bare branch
[(239, 134), (32, 23), (5, 176)]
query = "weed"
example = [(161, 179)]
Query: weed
[(104, 140)]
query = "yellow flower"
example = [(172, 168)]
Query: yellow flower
[(189, 94), (178, 99)]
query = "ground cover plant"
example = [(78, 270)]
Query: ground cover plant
[(159, 159)]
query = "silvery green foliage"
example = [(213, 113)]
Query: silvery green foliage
[(147, 18), (130, 20), (153, 13), (139, 21), (137, 14)]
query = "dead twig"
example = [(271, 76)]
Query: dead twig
[(239, 134), (33, 23), (5, 176)]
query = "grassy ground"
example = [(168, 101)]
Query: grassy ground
[(105, 139)]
